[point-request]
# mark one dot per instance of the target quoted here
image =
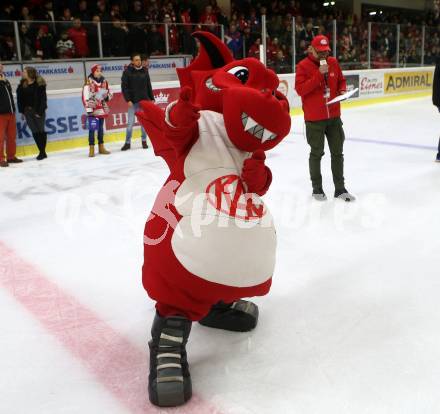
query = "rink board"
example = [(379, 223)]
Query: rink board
[(65, 117)]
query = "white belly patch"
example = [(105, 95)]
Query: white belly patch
[(225, 236)]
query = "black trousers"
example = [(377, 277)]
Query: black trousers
[(36, 125)]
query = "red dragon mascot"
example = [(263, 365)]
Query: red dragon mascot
[(209, 240)]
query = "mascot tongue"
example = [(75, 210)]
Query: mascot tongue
[(213, 54)]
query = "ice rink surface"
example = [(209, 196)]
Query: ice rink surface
[(351, 324)]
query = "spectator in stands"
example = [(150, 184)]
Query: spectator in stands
[(102, 12), (8, 127), (307, 34), (65, 20), (155, 41), (78, 34), (32, 104), (7, 11), (209, 18), (234, 41), (188, 42), (93, 38), (136, 37), (65, 47), (136, 14), (47, 14), (273, 48), (135, 87), (254, 51), (25, 14), (83, 11), (26, 43), (44, 43), (96, 95), (282, 65), (118, 38)]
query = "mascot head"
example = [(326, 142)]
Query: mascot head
[(256, 115)]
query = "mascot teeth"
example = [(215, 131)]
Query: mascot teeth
[(211, 86), (254, 128)]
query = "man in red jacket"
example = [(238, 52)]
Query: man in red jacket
[(78, 34), (318, 80)]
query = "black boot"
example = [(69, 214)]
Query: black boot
[(169, 383), (240, 316)]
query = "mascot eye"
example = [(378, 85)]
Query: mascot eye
[(241, 73)]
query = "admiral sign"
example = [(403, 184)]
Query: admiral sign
[(398, 82)]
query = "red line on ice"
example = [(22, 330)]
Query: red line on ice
[(114, 361)]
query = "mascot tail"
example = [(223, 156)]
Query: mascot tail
[(152, 117)]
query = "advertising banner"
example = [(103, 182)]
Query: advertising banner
[(399, 82), (371, 84), (64, 120), (287, 87), (352, 84), (13, 74), (118, 117), (111, 68), (65, 116), (60, 75), (165, 65)]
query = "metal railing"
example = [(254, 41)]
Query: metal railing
[(362, 46)]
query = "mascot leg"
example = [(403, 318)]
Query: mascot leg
[(169, 382), (240, 316)]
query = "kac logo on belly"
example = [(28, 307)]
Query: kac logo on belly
[(227, 194)]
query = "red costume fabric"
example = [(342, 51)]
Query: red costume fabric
[(209, 237), (310, 84)]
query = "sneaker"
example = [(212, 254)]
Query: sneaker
[(437, 159), (343, 194), (319, 195), (144, 144), (14, 160), (125, 147), (4, 164)]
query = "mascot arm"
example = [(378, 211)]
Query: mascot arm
[(181, 127), (256, 175)]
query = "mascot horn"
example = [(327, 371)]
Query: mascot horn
[(209, 240)]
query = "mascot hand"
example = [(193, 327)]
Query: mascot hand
[(255, 174), (184, 113)]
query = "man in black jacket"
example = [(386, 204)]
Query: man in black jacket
[(436, 96), (136, 87), (8, 127)]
